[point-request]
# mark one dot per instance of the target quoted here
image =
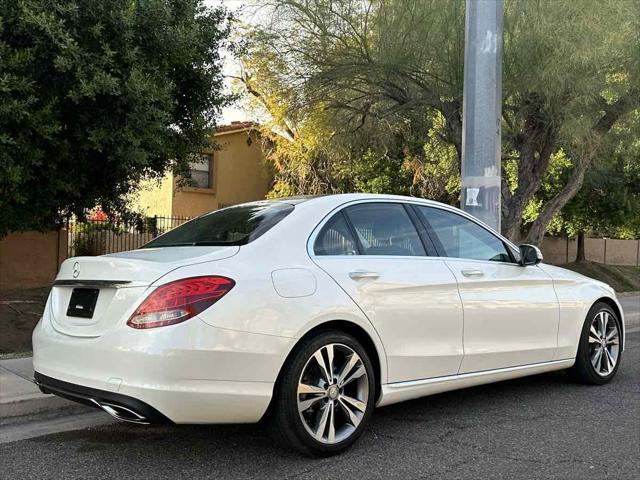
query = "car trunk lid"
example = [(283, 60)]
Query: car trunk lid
[(91, 294)]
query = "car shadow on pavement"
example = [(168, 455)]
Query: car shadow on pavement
[(242, 438)]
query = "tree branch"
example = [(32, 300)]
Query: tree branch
[(613, 111)]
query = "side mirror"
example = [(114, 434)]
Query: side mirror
[(530, 255)]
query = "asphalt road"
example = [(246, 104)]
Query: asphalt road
[(631, 306), (537, 427)]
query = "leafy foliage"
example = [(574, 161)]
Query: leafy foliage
[(347, 77), (96, 95), (609, 202)]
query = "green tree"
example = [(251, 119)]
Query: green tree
[(314, 153), (96, 95), (373, 69), (608, 204)]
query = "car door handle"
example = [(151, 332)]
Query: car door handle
[(472, 272), (360, 274)]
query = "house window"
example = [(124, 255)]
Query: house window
[(201, 171)]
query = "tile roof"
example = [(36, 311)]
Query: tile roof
[(233, 126)]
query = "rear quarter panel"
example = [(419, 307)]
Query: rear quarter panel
[(256, 306)]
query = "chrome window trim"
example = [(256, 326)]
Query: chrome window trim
[(96, 283)]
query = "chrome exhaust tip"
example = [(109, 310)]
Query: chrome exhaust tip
[(121, 413)]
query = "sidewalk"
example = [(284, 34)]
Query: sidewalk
[(20, 396)]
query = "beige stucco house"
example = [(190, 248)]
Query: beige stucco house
[(235, 173)]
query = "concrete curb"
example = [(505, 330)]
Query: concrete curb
[(39, 405), (19, 396)]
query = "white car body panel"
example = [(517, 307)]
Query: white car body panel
[(192, 372), (576, 294), (412, 294), (431, 330), (510, 314)]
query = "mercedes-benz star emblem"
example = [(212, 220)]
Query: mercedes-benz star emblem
[(76, 270)]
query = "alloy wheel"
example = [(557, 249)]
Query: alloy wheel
[(604, 343), (333, 392)]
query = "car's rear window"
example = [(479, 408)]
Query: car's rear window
[(230, 226)]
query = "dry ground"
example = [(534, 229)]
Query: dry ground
[(621, 278), (20, 310)]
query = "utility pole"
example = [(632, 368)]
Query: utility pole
[(482, 111)]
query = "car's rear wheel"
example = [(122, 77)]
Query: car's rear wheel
[(325, 395), (600, 348)]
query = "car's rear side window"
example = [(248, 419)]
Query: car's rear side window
[(385, 229), (370, 229), (237, 225), (335, 238)]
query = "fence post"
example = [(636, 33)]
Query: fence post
[(58, 248), (604, 260)]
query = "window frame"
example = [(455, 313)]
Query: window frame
[(210, 174), (439, 247), (432, 251)]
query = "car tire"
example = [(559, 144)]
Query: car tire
[(593, 363), (293, 426)]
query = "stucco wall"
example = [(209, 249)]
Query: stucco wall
[(154, 197), (623, 252), (243, 174), (554, 250), (31, 259), (192, 202), (240, 174), (612, 252)]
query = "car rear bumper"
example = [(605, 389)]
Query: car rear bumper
[(119, 406), (187, 373)]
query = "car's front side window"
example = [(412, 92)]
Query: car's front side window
[(384, 229), (459, 237)]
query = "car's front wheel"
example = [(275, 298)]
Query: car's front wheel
[(325, 395), (600, 348)]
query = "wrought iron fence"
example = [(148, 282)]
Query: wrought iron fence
[(98, 237)]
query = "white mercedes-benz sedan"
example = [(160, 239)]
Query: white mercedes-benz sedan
[(311, 312)]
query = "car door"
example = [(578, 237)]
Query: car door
[(511, 312), (374, 252)]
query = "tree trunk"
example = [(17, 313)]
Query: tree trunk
[(553, 206), (612, 112), (535, 145), (580, 256)]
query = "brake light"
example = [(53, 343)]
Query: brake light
[(178, 301)]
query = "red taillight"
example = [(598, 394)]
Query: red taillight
[(178, 301)]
